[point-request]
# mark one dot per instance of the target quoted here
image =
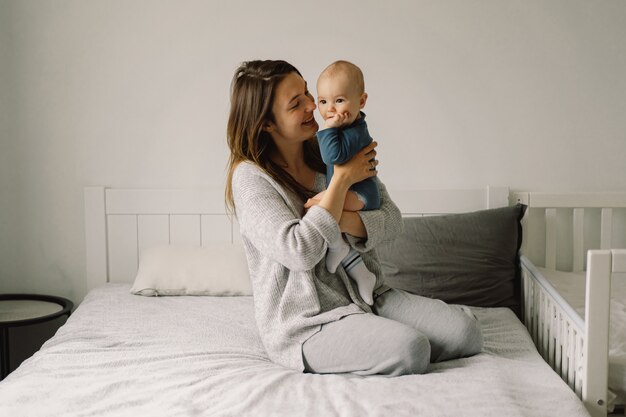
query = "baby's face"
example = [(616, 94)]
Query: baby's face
[(336, 94)]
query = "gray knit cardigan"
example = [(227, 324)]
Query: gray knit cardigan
[(294, 294)]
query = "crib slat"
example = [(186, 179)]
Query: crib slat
[(535, 312), (606, 228), (546, 329), (536, 316), (571, 358), (533, 309), (578, 238), (551, 342), (542, 326), (564, 351), (578, 385), (525, 295), (558, 333), (551, 238), (598, 290)]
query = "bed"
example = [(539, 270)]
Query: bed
[(123, 354), (575, 290)]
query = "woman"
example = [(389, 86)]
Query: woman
[(308, 318)]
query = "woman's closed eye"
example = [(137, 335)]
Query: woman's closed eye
[(299, 101), (296, 104)]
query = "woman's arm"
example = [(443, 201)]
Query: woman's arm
[(268, 219), (353, 223), (380, 225)]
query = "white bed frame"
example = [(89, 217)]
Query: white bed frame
[(576, 348)]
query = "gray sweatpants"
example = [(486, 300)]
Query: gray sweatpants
[(406, 332)]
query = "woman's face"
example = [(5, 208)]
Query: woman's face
[(293, 111)]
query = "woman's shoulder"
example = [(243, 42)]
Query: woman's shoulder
[(248, 175), (247, 167), (246, 171)]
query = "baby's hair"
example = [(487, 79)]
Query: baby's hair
[(353, 71)]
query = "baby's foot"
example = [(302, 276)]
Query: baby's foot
[(335, 255), (366, 287)]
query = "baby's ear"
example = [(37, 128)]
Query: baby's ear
[(363, 100)]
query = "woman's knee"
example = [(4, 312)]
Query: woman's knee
[(466, 339), (472, 337), (465, 330), (413, 354)]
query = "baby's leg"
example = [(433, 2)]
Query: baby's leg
[(365, 280), (353, 203), (336, 252)]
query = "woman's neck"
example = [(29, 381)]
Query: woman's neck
[(292, 161), (290, 158)]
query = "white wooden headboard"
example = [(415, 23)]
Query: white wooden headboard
[(120, 223)]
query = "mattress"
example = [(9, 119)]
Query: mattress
[(126, 355), (571, 285)]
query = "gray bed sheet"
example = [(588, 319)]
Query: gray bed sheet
[(126, 355)]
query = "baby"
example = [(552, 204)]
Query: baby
[(340, 97)]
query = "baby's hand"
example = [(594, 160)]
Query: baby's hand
[(337, 120), (314, 201), (311, 202)]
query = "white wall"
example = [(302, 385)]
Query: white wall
[(134, 93)]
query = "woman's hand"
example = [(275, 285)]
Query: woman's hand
[(360, 167)]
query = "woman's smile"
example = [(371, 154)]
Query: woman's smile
[(310, 121)]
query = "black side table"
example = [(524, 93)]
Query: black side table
[(25, 309)]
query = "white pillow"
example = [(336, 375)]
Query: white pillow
[(215, 269)]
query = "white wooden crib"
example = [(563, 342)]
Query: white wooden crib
[(578, 227)]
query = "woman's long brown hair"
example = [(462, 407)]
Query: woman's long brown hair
[(251, 99)]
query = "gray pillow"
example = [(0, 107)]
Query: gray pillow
[(469, 258)]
